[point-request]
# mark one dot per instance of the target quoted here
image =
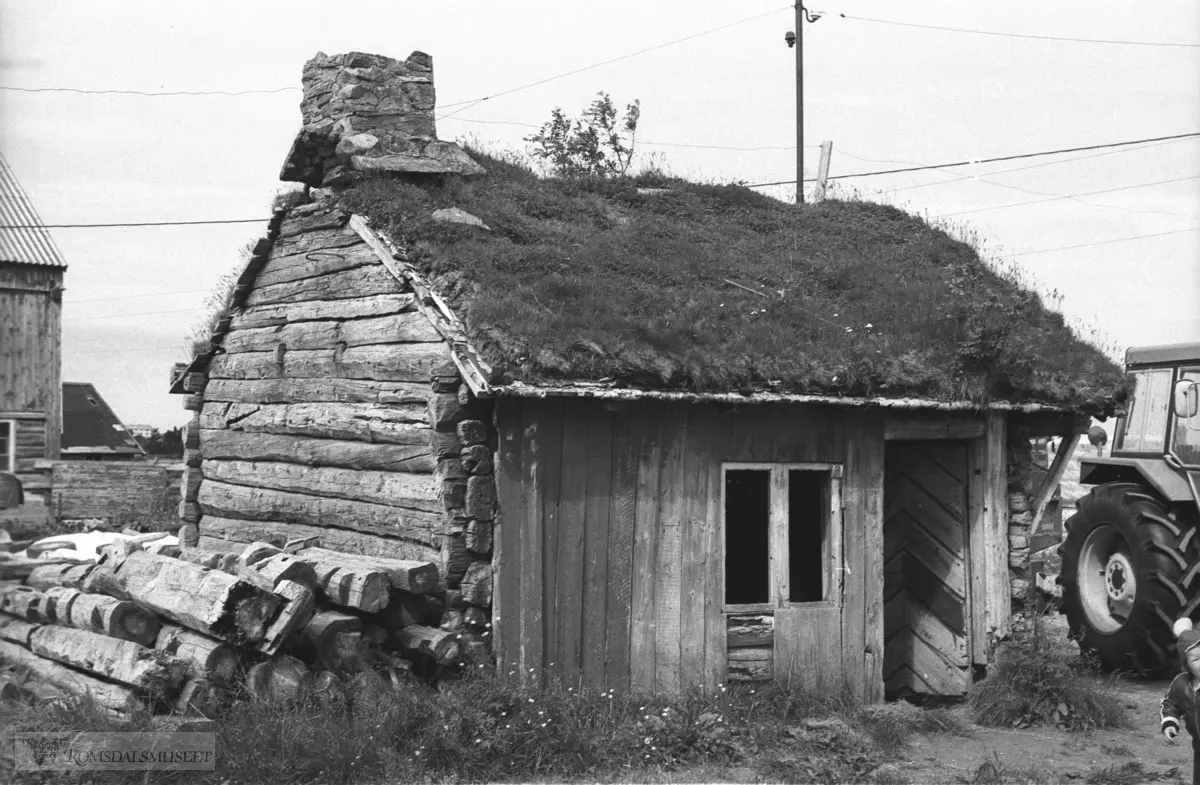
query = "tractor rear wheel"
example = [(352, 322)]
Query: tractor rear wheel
[(1123, 562)]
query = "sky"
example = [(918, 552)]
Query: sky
[(716, 83)]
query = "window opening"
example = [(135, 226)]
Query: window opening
[(8, 445), (808, 522), (747, 528)]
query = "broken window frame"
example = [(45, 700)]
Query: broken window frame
[(778, 537)]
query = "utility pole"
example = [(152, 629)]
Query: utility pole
[(796, 40), (799, 102)]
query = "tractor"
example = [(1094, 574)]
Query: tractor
[(1131, 554)]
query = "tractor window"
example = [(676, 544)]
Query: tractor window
[(1185, 442), (1146, 423)]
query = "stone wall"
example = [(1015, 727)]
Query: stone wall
[(1028, 462), (369, 113)]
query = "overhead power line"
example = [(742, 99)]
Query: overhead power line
[(1021, 35), (1107, 242), (1056, 197), (145, 93), (510, 91), (137, 223), (971, 162)]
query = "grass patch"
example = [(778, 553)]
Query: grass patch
[(1041, 679), (491, 730), (592, 279)]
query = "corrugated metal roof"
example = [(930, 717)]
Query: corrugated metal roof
[(31, 243)]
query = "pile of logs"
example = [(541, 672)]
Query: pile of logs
[(187, 631)]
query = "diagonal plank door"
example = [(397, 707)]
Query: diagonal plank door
[(925, 569)]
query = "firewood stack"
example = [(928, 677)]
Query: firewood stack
[(187, 631)]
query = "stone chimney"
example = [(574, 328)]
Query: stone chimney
[(369, 113)]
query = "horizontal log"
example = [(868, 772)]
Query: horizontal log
[(309, 264), (312, 233), (208, 601), (202, 697), (395, 362), (227, 444), (323, 310), (440, 645), (105, 615), (20, 568), (203, 657), (393, 489), (362, 589), (16, 630), (29, 604), (751, 664), (404, 609), (71, 576), (410, 327), (329, 638), (261, 391), (901, 428), (147, 671), (416, 577), (116, 697), (281, 679), (240, 501), (363, 282), (297, 611), (286, 567), (392, 424), (223, 529)]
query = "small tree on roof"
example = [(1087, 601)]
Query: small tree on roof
[(599, 143)]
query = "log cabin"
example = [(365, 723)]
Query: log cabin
[(657, 435), (31, 287)]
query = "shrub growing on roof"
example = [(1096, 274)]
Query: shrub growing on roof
[(655, 282)]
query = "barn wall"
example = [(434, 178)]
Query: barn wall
[(608, 553), (31, 347), (334, 410)]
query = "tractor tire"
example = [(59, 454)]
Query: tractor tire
[(1123, 561)]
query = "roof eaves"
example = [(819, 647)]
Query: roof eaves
[(606, 392)]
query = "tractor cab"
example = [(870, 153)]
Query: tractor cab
[(1157, 442), (1131, 557)]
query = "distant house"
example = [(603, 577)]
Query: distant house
[(31, 286), (91, 430), (658, 438), (140, 430)]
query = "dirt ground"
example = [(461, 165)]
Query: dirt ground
[(1037, 755)]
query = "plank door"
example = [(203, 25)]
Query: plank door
[(925, 585)]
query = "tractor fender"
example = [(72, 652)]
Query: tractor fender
[(1170, 484)]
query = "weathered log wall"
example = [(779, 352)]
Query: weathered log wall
[(333, 409)]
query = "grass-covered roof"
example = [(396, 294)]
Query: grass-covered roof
[(718, 288)]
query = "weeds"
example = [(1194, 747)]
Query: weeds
[(1038, 679), (486, 729)]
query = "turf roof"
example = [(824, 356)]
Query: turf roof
[(718, 288)]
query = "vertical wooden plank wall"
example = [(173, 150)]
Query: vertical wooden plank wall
[(999, 600), (31, 347), (506, 544), (629, 579)]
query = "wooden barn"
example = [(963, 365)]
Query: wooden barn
[(31, 287), (657, 435)]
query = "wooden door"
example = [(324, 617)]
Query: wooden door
[(925, 586)]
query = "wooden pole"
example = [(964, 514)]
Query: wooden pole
[(823, 170), (799, 102)]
